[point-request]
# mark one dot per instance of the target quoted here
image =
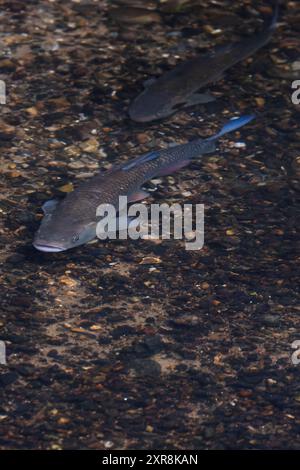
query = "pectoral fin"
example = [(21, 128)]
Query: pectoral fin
[(199, 98), (138, 195), (147, 83)]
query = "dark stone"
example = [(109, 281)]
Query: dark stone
[(123, 331), (8, 378), (145, 367)]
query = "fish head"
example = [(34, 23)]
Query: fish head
[(60, 230), (151, 106)]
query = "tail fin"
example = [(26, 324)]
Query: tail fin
[(232, 125)]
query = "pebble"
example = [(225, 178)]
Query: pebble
[(239, 145), (205, 285), (260, 101), (63, 421), (150, 260), (76, 165), (145, 367), (8, 378), (270, 320), (90, 145), (174, 6), (296, 66), (66, 188), (67, 281), (133, 15), (142, 138), (33, 111)]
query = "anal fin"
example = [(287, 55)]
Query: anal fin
[(150, 81), (138, 195)]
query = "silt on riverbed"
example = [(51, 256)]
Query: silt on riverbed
[(122, 344)]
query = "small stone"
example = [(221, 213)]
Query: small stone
[(239, 145), (72, 150), (108, 444), (270, 320), (245, 393), (145, 367), (67, 281), (218, 359), (173, 6), (142, 138), (66, 188), (63, 421), (95, 327), (150, 260), (260, 101), (58, 104), (132, 15), (296, 65), (33, 111), (8, 378), (210, 30), (7, 65), (15, 174), (76, 165), (90, 145), (205, 285)]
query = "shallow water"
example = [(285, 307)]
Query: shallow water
[(139, 344)]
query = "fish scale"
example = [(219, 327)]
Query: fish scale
[(180, 86), (72, 221)]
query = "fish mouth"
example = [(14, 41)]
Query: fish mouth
[(48, 248)]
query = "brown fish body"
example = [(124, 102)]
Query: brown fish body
[(180, 87), (72, 221), (106, 187)]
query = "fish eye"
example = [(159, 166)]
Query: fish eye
[(75, 238)]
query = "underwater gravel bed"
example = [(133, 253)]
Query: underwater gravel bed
[(122, 344)]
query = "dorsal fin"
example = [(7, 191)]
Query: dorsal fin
[(147, 157)]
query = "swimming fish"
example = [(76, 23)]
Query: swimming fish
[(72, 221), (180, 87)]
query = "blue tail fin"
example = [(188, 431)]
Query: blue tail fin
[(232, 125)]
